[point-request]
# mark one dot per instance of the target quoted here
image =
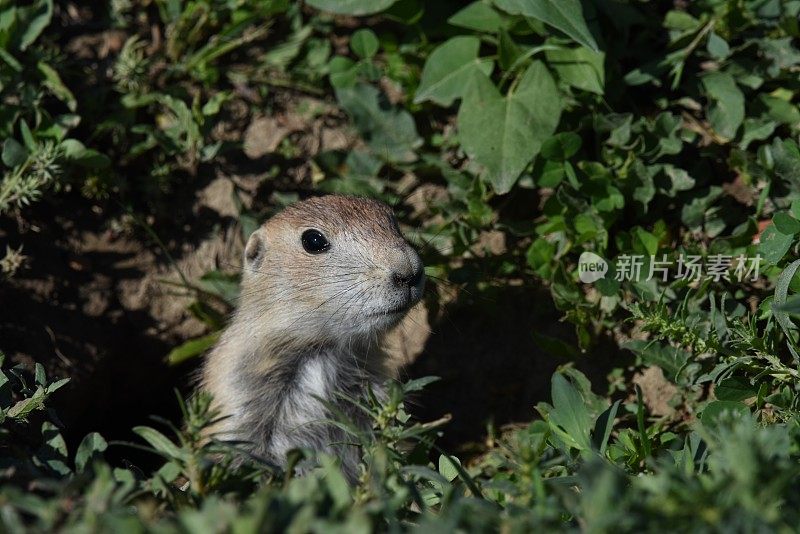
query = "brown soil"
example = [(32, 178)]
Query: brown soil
[(93, 305), (99, 301)]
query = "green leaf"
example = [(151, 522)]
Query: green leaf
[(390, 132), (449, 69), (160, 443), (561, 146), (715, 409), (447, 468), (756, 130), (785, 223), (343, 72), (193, 347), (779, 302), (418, 384), (91, 447), (786, 156), (564, 15), (734, 388), (86, 157), (478, 16), (338, 488), (504, 133), (779, 110), (352, 7), (214, 104), (53, 82), (579, 67), (603, 427), (645, 242), (791, 306), (507, 50), (726, 112), (569, 417), (364, 43), (774, 244), (39, 375), (717, 46), (35, 20), (224, 285), (14, 153)]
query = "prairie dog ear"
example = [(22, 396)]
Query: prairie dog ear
[(254, 250)]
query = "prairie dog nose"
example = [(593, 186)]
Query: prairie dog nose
[(410, 278)]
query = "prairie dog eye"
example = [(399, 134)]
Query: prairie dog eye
[(314, 242)]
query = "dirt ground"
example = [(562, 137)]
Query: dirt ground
[(93, 305), (97, 299)]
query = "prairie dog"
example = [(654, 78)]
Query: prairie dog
[(323, 282)]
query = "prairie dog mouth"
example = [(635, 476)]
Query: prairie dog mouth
[(393, 311)]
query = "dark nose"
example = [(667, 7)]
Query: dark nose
[(407, 279)]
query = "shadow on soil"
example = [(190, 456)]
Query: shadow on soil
[(492, 369)]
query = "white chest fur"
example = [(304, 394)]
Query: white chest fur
[(303, 407)]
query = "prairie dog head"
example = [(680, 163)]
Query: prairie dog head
[(331, 269)]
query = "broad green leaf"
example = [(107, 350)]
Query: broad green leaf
[(548, 173), (449, 69), (603, 427), (161, 443), (540, 255), (364, 43), (679, 180), (774, 244), (193, 347), (645, 242), (561, 146), (503, 133), (351, 7), (343, 72), (715, 409), (447, 468), (337, 485), (726, 111), (13, 153), (756, 130), (53, 452), (23, 408), (785, 223), (91, 447), (35, 19), (680, 21), (169, 471), (508, 51), (717, 46), (780, 110), (75, 151), (569, 415), (390, 132), (564, 15), (478, 16), (734, 389), (786, 157), (579, 67)]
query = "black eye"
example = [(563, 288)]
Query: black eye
[(314, 242)]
